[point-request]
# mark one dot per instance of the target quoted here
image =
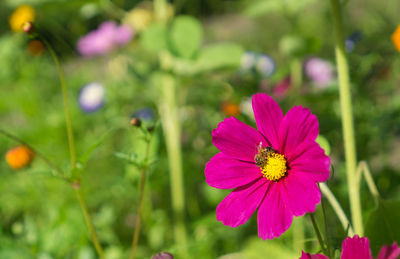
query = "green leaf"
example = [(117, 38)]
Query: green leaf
[(220, 55), (186, 35), (383, 225), (324, 143), (85, 157), (155, 37)]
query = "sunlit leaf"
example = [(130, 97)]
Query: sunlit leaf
[(186, 35)]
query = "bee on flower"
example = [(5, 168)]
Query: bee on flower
[(22, 15), (274, 168), (19, 157)]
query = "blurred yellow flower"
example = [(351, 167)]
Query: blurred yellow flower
[(139, 18), (143, 15), (19, 157), (20, 16), (396, 38)]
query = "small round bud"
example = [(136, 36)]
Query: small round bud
[(150, 128), (136, 122), (28, 27)]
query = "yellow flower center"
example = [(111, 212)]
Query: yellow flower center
[(273, 165)]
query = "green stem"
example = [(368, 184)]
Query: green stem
[(172, 129), (337, 208), (141, 198), (319, 236), (72, 148), (296, 73), (66, 107), (347, 118), (89, 223), (328, 248), (298, 233), (364, 169)]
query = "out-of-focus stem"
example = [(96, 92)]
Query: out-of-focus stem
[(328, 248), (72, 149), (318, 233), (296, 73), (298, 234), (89, 223), (70, 134), (172, 129), (347, 118), (364, 169), (337, 208), (141, 198)]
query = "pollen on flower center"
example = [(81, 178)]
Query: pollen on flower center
[(272, 164)]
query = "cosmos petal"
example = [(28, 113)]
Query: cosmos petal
[(302, 194), (268, 116), (298, 125), (240, 204), (312, 256), (274, 215), (356, 247), (225, 172), (389, 252), (236, 139), (309, 160)]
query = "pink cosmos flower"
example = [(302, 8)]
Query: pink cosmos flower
[(358, 247), (103, 40), (275, 168)]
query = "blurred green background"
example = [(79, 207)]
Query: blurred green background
[(39, 214)]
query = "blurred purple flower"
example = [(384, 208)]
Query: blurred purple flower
[(163, 255), (144, 114), (103, 40), (91, 97), (352, 40), (265, 65), (319, 71)]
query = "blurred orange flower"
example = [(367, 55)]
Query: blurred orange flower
[(19, 157), (21, 15), (396, 38), (230, 109)]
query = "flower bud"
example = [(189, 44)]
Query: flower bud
[(28, 27), (136, 122)]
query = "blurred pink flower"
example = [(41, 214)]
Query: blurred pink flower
[(274, 169), (319, 71), (281, 88), (358, 247), (103, 40)]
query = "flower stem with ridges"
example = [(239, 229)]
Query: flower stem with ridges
[(347, 118)]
